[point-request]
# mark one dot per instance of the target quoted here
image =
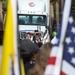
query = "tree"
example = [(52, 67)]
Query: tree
[(62, 2), (4, 5), (4, 8), (57, 13), (0, 10), (51, 13)]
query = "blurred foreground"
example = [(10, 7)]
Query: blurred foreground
[(0, 53)]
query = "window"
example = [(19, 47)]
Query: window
[(32, 20)]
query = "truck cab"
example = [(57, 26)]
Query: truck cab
[(33, 15)]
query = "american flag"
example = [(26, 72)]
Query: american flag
[(68, 63), (62, 57)]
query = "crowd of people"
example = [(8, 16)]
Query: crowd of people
[(35, 37), (35, 54)]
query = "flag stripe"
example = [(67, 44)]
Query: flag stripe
[(54, 51), (49, 70), (62, 73), (52, 60), (67, 68)]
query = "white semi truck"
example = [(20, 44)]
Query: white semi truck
[(34, 15)]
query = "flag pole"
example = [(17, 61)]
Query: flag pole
[(8, 50), (17, 62), (65, 18)]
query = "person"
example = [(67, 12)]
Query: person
[(37, 39), (31, 62), (39, 19), (41, 60), (21, 22), (28, 36), (34, 36), (29, 51)]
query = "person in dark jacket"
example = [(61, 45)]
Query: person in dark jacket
[(34, 36), (31, 63), (29, 51)]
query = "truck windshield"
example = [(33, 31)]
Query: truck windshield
[(32, 20)]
